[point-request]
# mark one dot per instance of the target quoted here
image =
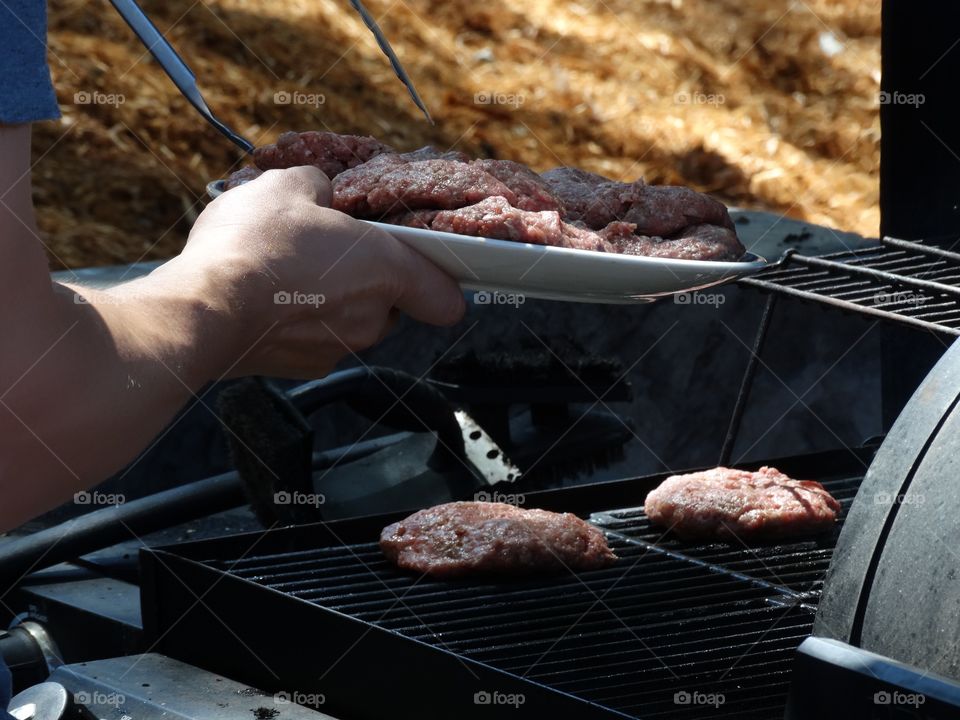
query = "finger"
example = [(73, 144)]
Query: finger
[(428, 294), (393, 317), (307, 182)]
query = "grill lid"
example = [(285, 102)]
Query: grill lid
[(894, 587)]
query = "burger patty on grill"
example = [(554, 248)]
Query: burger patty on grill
[(723, 503), (479, 538)]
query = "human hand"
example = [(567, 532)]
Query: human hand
[(304, 285)]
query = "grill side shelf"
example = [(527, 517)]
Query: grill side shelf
[(898, 281)]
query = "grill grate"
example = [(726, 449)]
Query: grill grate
[(668, 618), (898, 280)]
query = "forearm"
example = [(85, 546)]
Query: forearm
[(89, 378)]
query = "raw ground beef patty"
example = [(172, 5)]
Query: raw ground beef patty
[(390, 184), (501, 199), (496, 218), (723, 503), (328, 151), (481, 538)]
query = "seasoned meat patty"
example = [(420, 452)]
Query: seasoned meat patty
[(564, 207), (723, 503), (390, 185), (531, 190), (468, 538), (496, 218), (328, 151), (592, 199), (656, 210), (352, 187), (697, 242)]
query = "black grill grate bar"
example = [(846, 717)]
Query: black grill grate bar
[(601, 623), (397, 615), (347, 570), (851, 307), (892, 269), (623, 689), (686, 657), (363, 589), (368, 596), (855, 281), (377, 576), (706, 565), (661, 640), (880, 295), (350, 558), (931, 250), (254, 565), (624, 607), (692, 632)]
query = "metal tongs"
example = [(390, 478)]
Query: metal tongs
[(186, 82)]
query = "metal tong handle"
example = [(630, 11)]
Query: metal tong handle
[(174, 66), (387, 50)]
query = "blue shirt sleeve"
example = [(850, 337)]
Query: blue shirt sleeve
[(26, 92)]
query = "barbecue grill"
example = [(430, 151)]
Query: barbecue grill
[(671, 630), (858, 623), (666, 626)]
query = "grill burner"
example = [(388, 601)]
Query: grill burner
[(668, 622), (907, 282)]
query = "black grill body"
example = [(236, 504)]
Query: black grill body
[(671, 630)]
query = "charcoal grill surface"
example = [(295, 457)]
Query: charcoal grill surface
[(668, 623)]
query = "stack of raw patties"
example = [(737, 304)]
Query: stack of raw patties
[(502, 199)]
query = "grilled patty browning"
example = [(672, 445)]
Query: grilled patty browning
[(727, 503), (480, 538)]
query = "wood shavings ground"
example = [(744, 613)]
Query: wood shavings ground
[(768, 105)]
